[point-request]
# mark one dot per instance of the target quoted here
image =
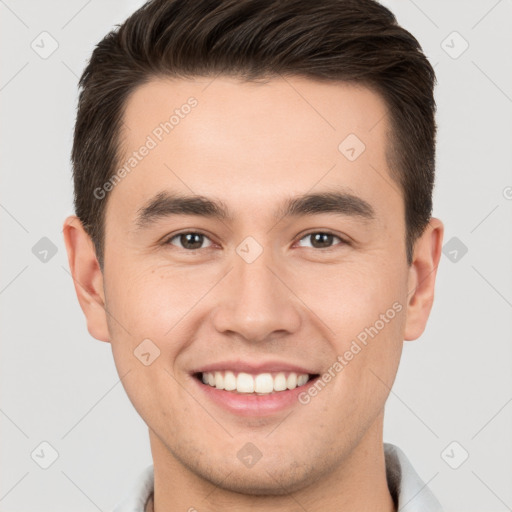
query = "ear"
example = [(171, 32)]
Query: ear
[(422, 277), (87, 277)]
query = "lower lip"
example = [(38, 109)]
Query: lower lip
[(249, 404)]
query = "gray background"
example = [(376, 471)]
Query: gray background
[(60, 386)]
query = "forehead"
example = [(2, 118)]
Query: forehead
[(288, 134)]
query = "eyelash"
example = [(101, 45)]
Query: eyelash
[(325, 249)]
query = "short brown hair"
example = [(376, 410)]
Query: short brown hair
[(357, 41)]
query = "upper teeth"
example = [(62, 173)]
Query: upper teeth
[(260, 383)]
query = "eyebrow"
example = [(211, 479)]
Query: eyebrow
[(166, 204)]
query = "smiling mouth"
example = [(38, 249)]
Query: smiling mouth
[(256, 384)]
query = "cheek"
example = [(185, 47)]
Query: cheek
[(149, 388), (364, 309), (151, 310), (151, 301), (351, 295)]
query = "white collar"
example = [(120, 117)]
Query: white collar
[(406, 485)]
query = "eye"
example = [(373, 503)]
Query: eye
[(192, 240), (321, 239), (189, 240)]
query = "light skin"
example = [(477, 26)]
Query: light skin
[(253, 146)]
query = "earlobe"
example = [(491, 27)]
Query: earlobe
[(87, 277), (422, 277)]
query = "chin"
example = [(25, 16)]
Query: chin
[(269, 480)]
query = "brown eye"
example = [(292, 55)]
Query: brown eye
[(321, 240), (190, 241)]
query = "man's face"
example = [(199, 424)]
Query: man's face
[(273, 292)]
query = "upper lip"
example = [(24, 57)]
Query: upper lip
[(253, 367)]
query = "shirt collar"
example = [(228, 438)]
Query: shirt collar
[(410, 493)]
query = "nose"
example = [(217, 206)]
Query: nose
[(257, 301)]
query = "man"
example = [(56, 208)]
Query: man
[(253, 190)]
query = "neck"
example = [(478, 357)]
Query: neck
[(358, 483)]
